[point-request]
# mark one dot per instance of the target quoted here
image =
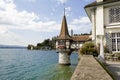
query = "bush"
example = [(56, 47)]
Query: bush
[(117, 54), (106, 50), (89, 49)]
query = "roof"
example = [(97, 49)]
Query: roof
[(64, 34), (81, 38), (100, 3)]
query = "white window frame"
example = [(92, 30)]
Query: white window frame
[(116, 42)]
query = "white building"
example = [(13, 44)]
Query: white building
[(105, 17), (79, 40)]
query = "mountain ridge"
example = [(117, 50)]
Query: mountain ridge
[(11, 46)]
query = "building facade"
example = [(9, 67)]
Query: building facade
[(79, 40), (105, 18)]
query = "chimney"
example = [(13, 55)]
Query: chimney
[(99, 0)]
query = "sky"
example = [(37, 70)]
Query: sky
[(24, 22)]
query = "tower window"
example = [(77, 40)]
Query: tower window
[(114, 14)]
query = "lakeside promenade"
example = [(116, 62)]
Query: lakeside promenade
[(89, 69)]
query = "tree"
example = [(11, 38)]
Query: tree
[(30, 47), (89, 49)]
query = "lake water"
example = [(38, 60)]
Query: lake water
[(23, 64)]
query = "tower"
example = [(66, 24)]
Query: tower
[(71, 32), (63, 43)]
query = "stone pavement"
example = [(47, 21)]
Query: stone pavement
[(114, 67), (89, 69)]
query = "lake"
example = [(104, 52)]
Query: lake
[(23, 64)]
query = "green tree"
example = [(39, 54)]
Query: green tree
[(89, 49), (30, 46)]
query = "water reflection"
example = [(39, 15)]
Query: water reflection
[(65, 72)]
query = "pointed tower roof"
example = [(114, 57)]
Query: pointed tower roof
[(64, 34)]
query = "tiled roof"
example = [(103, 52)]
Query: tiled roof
[(81, 38), (64, 30), (100, 3)]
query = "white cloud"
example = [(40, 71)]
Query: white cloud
[(62, 1), (82, 20), (7, 37), (32, 0), (68, 8), (81, 25), (23, 20), (11, 18)]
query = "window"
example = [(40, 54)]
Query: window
[(61, 42), (114, 14), (118, 44), (113, 34), (116, 41), (118, 34), (113, 44)]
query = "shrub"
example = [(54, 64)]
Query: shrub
[(89, 49), (117, 54)]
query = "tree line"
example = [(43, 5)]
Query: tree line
[(47, 44)]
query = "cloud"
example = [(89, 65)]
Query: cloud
[(32, 0), (8, 37), (67, 10), (81, 25), (62, 1), (82, 20), (22, 20), (11, 19)]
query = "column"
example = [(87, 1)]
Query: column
[(93, 26), (102, 55)]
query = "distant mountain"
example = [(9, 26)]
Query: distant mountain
[(12, 47)]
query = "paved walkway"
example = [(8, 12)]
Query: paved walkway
[(114, 67), (89, 69)]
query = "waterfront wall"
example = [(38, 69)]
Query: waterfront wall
[(89, 69)]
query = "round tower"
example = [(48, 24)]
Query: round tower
[(63, 44)]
